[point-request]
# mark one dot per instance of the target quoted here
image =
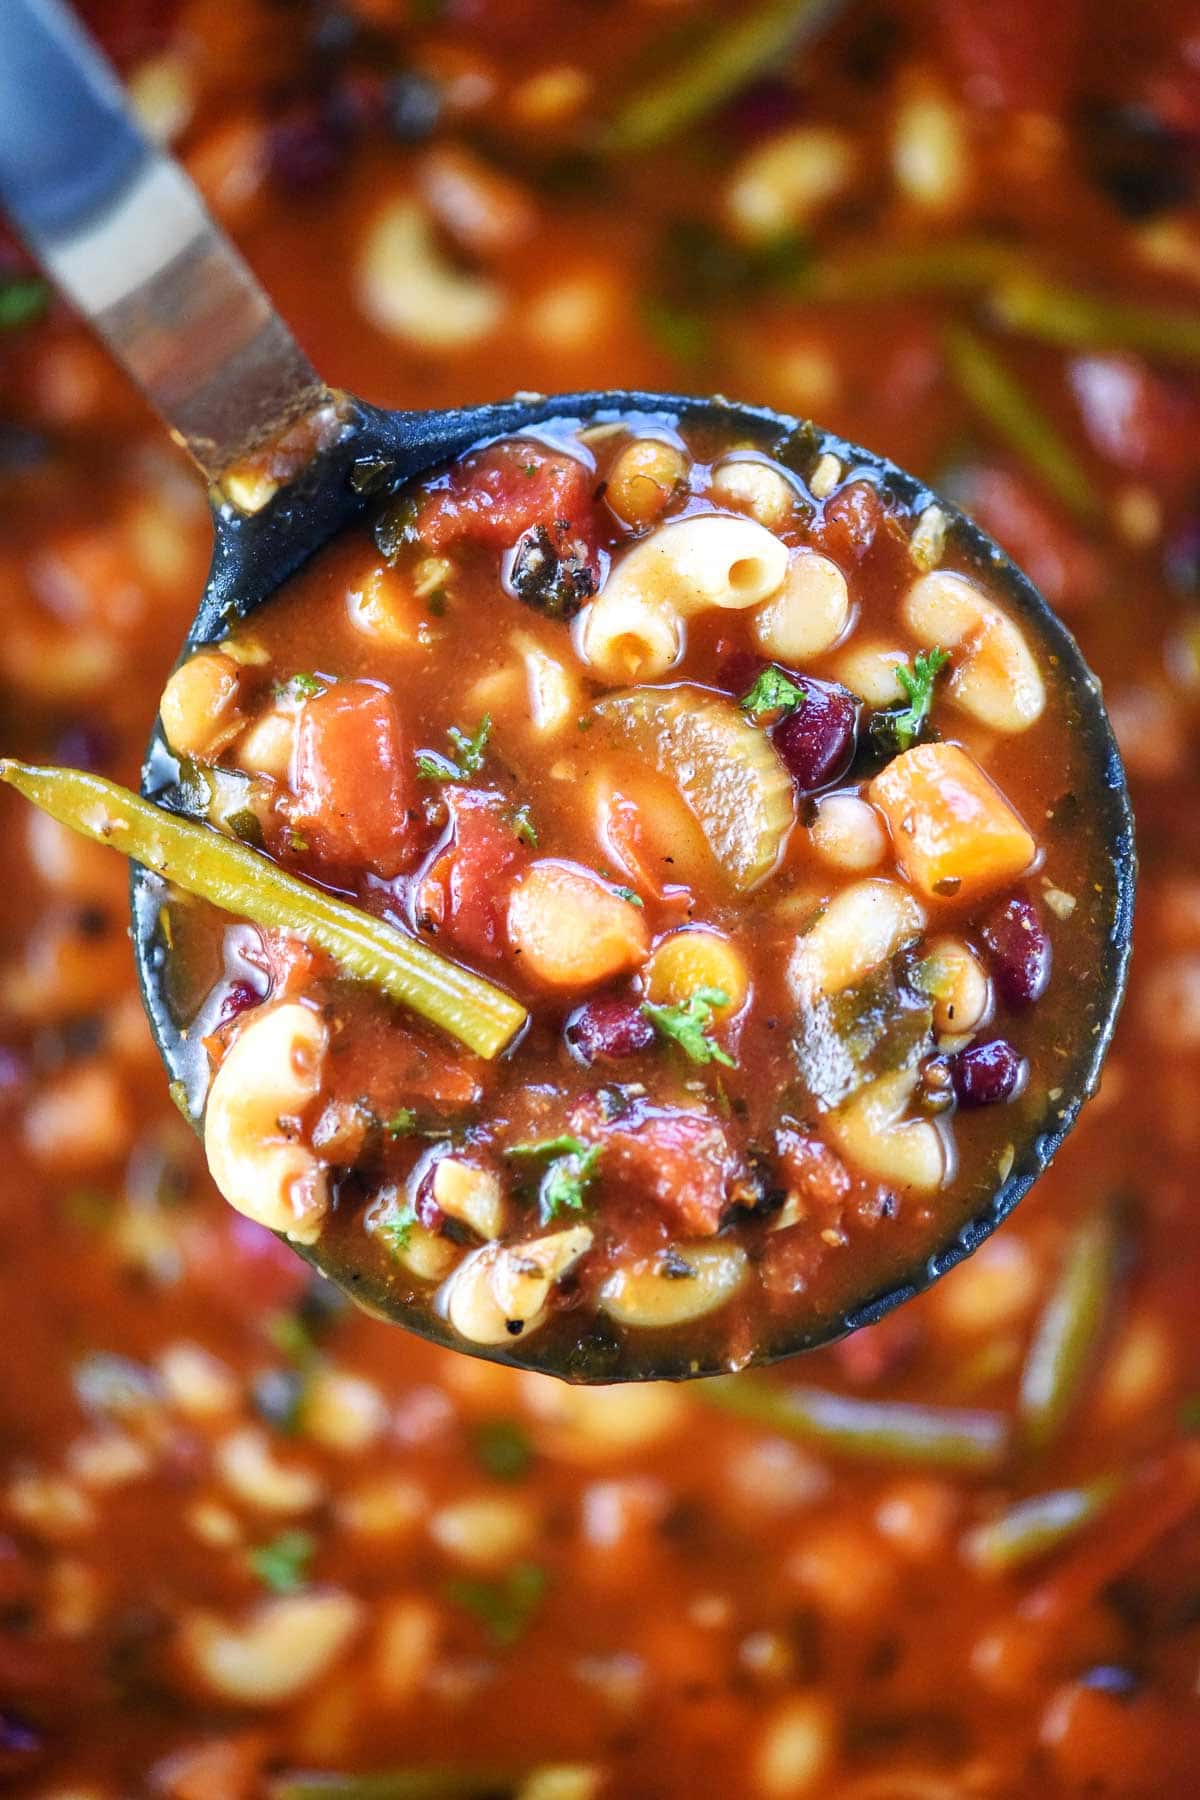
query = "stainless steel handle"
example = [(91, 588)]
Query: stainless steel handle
[(124, 233)]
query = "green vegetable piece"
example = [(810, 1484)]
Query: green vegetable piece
[(878, 1027), (282, 1565), (630, 897), (899, 727), (1068, 1333), (1034, 1527), (1014, 415), (23, 299), (303, 686), (503, 1449), (570, 1171), (239, 880), (396, 1228), (771, 692), (470, 754), (889, 272), (406, 1122), (506, 1607), (883, 1431), (713, 71), (524, 827), (726, 771), (688, 1025), (399, 1784), (1060, 315)]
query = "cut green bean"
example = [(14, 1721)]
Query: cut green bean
[(958, 266), (1005, 405), (242, 881), (887, 1431), (398, 1784), (1066, 1335), (1034, 1527), (713, 71), (1060, 315)]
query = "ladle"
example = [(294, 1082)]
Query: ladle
[(290, 462)]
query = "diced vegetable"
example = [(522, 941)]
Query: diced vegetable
[(239, 880), (1060, 315), (955, 834), (1069, 1329), (728, 772), (1015, 416), (1036, 1526), (888, 1431), (843, 1040)]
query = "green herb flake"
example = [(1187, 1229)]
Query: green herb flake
[(470, 750), (899, 728), (502, 1449), (23, 299), (282, 1565), (505, 1608), (771, 692), (291, 1337), (1189, 1415), (524, 827), (688, 1025), (570, 1170), (628, 895), (304, 686), (397, 1228), (297, 842)]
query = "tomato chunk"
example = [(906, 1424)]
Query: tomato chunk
[(465, 891), (680, 1160), (354, 788), (508, 489)]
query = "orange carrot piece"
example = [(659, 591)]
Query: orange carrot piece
[(954, 833)]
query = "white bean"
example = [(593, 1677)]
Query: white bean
[(871, 1132), (469, 1194), (756, 487), (868, 669), (500, 1287), (959, 985), (848, 832), (809, 613), (859, 929), (994, 676), (658, 1293), (252, 1121)]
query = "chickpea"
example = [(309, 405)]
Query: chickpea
[(848, 833), (754, 486), (645, 478), (201, 704), (691, 959), (959, 985)]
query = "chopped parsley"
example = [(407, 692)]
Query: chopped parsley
[(771, 692), (688, 1025), (397, 1228), (524, 827), (23, 299), (502, 1449), (506, 1607), (282, 1565), (470, 751), (900, 727), (627, 894), (405, 1122), (570, 1171), (304, 686)]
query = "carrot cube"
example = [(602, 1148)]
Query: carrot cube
[(954, 833)]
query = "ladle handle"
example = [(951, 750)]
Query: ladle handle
[(124, 233)]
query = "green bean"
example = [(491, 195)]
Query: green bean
[(1060, 315), (1013, 414), (240, 880), (886, 272), (1035, 1526), (713, 71), (399, 1784), (1066, 1335), (888, 1431)]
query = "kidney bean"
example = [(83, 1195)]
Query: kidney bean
[(1020, 951), (608, 1030), (987, 1074), (239, 997), (816, 741), (305, 149)]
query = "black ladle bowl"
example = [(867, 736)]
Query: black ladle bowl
[(124, 233), (254, 554)]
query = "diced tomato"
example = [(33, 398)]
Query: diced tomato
[(465, 891), (1054, 554), (1021, 55), (813, 1173), (393, 1063), (355, 801), (241, 1265), (495, 496), (877, 1351), (682, 1161)]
